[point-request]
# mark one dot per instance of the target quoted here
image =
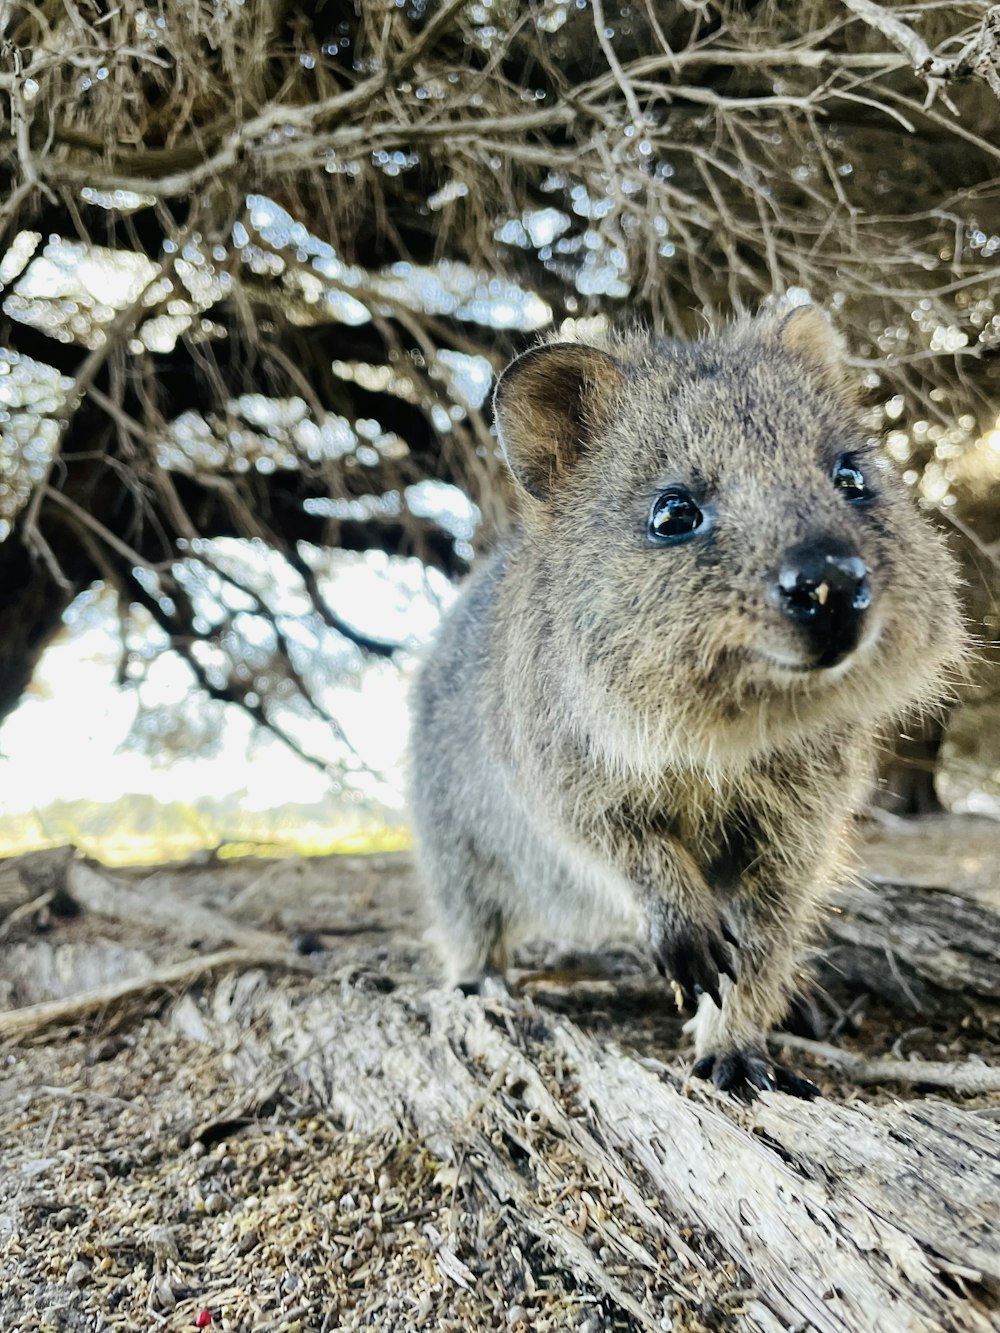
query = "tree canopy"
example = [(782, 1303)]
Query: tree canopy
[(259, 260)]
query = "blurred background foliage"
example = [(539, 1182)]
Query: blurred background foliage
[(261, 260)]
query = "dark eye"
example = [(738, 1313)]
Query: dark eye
[(674, 516), (850, 480)]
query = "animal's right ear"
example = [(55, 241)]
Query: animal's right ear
[(548, 405)]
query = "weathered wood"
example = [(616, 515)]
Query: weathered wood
[(18, 1024), (662, 1202), (59, 872), (96, 891), (906, 942), (965, 1076), (845, 1217), (842, 1251), (905, 936), (445, 1066)]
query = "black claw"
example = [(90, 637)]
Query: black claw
[(694, 957), (701, 976), (794, 1085), (761, 1075), (727, 933), (683, 976), (745, 1073), (712, 989), (723, 960)]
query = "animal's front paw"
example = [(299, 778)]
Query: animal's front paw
[(748, 1072), (693, 955)]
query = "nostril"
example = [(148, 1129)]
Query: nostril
[(850, 568), (824, 585), (849, 575), (800, 594)]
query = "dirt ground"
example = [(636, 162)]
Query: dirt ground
[(262, 1145)]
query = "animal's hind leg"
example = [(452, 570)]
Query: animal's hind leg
[(473, 898), (488, 960)]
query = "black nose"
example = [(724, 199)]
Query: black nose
[(824, 588)]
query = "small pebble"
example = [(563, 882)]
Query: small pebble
[(247, 1242), (78, 1273), (162, 1241), (215, 1203), (165, 1297), (347, 1203)]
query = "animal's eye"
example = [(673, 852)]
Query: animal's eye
[(674, 516), (850, 480)]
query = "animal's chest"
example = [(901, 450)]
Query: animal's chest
[(731, 835), (732, 846)]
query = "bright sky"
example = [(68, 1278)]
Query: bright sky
[(65, 741)]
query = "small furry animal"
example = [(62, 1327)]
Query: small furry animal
[(654, 706)]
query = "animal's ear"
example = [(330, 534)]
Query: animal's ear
[(548, 405), (808, 335)]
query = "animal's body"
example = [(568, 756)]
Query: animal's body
[(654, 707)]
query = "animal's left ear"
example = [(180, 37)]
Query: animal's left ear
[(809, 336), (549, 406)]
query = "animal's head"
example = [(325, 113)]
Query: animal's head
[(730, 558)]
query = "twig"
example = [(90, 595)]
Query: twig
[(377, 647), (962, 1077), (890, 25), (102, 895), (25, 910), (627, 91), (118, 330), (980, 57), (18, 1024)]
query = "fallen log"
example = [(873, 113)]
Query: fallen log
[(843, 1217), (909, 944), (32, 1019)]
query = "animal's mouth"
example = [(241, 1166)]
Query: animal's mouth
[(782, 666)]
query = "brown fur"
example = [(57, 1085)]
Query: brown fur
[(611, 734)]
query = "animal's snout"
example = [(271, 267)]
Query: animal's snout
[(823, 587)]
